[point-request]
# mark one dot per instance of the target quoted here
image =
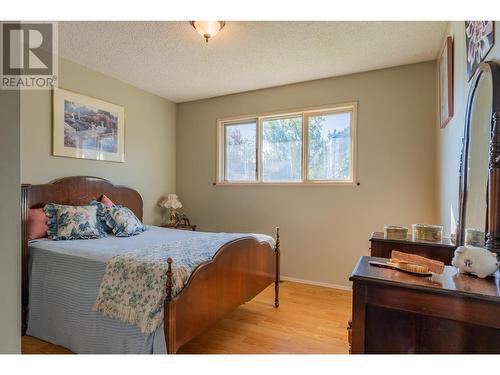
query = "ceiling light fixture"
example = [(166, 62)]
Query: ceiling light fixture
[(207, 29)]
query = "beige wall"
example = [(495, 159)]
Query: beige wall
[(10, 224), (149, 163), (324, 228), (449, 139)]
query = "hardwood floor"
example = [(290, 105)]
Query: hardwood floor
[(32, 345), (310, 319)]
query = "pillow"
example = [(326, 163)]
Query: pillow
[(102, 212), (37, 224), (73, 222), (123, 222), (106, 201)]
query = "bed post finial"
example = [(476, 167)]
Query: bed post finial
[(169, 312), (277, 280), (169, 279)]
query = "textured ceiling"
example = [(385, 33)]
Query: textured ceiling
[(172, 60)]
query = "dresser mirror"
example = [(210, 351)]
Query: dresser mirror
[(479, 224), (477, 162)]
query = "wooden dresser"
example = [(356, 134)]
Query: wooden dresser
[(394, 312), (442, 250)]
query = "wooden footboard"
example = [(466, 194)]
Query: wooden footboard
[(240, 270)]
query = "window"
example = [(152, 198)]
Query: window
[(329, 146), (282, 149), (240, 141), (311, 146)]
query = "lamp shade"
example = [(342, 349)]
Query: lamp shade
[(172, 202)]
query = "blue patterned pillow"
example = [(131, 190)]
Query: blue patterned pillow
[(72, 222), (122, 221), (102, 213)]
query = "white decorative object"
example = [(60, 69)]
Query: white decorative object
[(475, 260), (172, 204)]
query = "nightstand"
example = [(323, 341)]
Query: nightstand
[(181, 227)]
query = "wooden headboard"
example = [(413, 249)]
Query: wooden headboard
[(76, 190)]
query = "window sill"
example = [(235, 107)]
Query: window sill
[(295, 184)]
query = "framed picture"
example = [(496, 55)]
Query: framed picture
[(445, 77), (87, 128), (479, 39)]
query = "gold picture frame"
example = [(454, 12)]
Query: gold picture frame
[(445, 79), (86, 127)]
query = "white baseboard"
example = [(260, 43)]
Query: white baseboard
[(318, 283)]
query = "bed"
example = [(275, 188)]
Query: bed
[(63, 278)]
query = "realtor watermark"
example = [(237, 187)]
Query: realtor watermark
[(29, 55)]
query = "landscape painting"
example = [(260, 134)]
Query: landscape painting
[(87, 128)]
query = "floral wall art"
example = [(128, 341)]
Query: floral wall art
[(479, 39)]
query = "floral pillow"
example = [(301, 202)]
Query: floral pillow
[(122, 221), (102, 214), (73, 222)]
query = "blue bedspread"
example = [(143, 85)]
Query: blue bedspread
[(64, 281)]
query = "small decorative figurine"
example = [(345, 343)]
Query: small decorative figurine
[(182, 219), (475, 260)]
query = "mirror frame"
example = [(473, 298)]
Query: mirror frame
[(492, 220)]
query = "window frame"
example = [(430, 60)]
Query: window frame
[(305, 113)]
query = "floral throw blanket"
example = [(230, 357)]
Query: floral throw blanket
[(133, 288)]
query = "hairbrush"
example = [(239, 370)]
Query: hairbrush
[(413, 269)]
